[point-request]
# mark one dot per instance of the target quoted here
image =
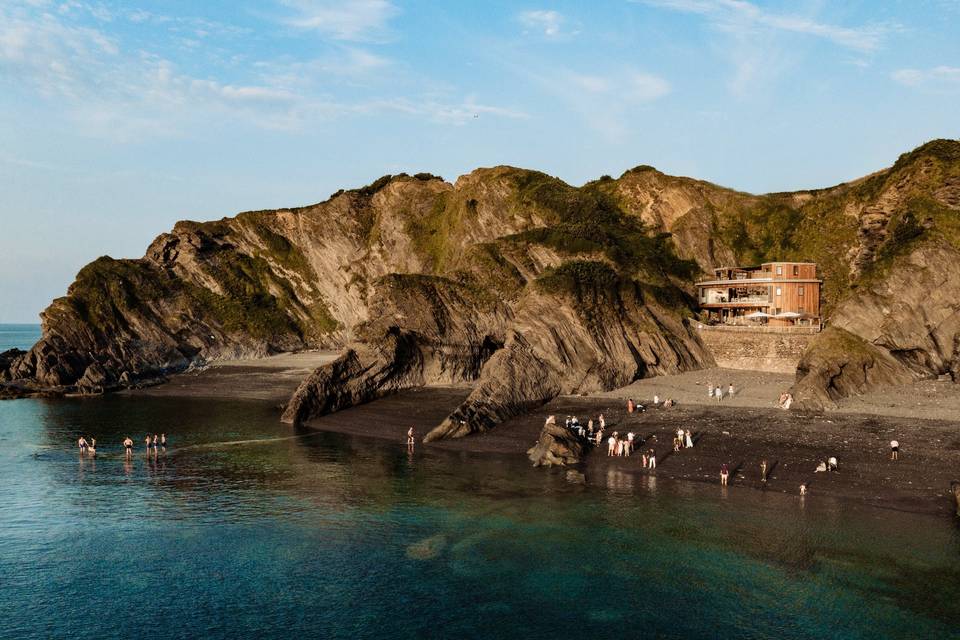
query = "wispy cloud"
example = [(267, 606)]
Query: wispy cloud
[(940, 77), (126, 92), (740, 16), (357, 20), (546, 22)]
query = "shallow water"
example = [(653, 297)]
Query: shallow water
[(18, 336), (245, 528)]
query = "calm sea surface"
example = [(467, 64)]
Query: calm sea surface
[(246, 528), (18, 336)]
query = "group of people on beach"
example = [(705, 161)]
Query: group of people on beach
[(87, 447), (716, 391), (155, 444), (624, 445)]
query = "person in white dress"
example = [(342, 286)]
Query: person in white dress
[(689, 438)]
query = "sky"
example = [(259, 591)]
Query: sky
[(119, 118)]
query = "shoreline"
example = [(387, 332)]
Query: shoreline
[(793, 443), (739, 431)]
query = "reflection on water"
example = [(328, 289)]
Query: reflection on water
[(245, 528)]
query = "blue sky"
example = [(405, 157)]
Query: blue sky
[(120, 118)]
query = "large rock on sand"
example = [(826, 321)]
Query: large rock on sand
[(557, 445)]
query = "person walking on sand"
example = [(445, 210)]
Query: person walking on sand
[(128, 446), (763, 471), (652, 460), (894, 450), (724, 474), (689, 439)]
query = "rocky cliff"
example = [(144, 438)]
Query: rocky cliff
[(515, 283)]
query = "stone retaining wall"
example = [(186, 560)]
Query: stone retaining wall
[(755, 350)]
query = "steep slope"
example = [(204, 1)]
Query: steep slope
[(516, 283)]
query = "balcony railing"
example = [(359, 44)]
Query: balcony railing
[(740, 300)]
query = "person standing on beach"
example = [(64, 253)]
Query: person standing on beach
[(718, 392), (644, 459), (763, 471), (730, 390), (630, 436), (128, 446), (611, 446), (652, 460), (689, 439), (710, 390), (410, 437), (894, 450), (724, 474), (602, 421)]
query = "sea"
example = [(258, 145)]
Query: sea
[(248, 528), (18, 336)]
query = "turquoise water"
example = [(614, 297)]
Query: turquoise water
[(18, 336), (287, 534)]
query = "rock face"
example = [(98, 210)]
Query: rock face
[(902, 327), (557, 446), (517, 284)]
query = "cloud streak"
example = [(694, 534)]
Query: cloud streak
[(127, 93), (739, 16), (357, 20), (549, 23), (940, 77)]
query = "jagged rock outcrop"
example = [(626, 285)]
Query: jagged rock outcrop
[(557, 446), (901, 327), (517, 284), (899, 321)]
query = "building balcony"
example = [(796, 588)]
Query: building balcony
[(750, 301)]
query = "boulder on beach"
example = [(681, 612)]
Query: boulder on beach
[(557, 445)]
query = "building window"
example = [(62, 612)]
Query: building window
[(779, 271), (800, 290), (779, 292), (796, 270)]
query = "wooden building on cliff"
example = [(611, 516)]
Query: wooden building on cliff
[(775, 294)]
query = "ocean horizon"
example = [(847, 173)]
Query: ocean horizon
[(18, 336)]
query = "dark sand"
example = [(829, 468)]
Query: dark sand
[(792, 443), (273, 378), (741, 431)]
